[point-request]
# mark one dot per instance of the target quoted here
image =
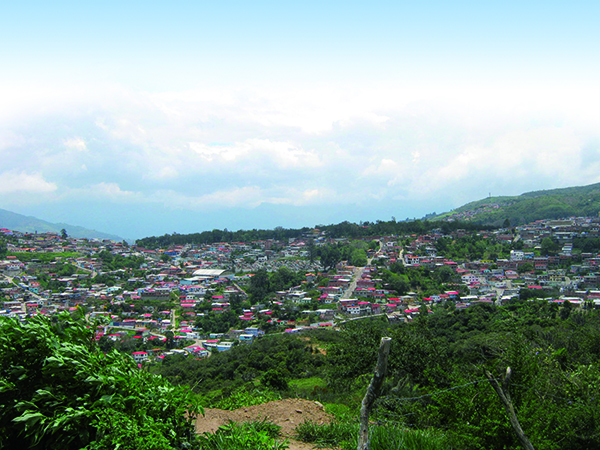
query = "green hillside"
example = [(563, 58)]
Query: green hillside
[(531, 206)]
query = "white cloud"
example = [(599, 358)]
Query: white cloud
[(168, 172), (246, 197), (283, 155), (105, 192), (19, 182), (212, 150), (76, 143)]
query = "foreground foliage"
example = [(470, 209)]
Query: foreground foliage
[(58, 391)]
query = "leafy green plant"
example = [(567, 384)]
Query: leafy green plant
[(57, 390), (258, 435), (341, 412)]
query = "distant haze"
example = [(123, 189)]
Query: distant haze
[(147, 119)]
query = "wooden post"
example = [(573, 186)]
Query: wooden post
[(373, 392), (504, 395)]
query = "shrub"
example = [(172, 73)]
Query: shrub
[(258, 435), (57, 390)]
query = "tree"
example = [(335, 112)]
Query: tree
[(63, 234), (329, 256), (170, 342), (312, 251), (566, 309), (549, 247), (524, 268), (259, 286), (275, 378)]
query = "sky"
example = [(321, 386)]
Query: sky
[(145, 118)]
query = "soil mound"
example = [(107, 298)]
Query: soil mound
[(288, 414)]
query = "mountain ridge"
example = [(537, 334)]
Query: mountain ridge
[(30, 224)]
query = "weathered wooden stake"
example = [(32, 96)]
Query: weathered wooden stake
[(504, 395), (373, 392)]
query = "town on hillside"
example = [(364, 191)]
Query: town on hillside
[(195, 299)]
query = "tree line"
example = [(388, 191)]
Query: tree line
[(343, 229)]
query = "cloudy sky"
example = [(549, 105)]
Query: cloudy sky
[(144, 118)]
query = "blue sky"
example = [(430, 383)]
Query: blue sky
[(141, 118)]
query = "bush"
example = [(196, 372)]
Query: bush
[(57, 390), (259, 435)]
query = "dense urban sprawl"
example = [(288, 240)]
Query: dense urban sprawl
[(193, 299)]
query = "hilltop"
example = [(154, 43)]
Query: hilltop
[(537, 205), (29, 224)]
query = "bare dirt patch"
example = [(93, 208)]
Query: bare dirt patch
[(288, 414)]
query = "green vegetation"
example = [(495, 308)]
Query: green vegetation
[(344, 435), (246, 396), (425, 281), (343, 229), (331, 434), (532, 206), (115, 262), (435, 391), (43, 257), (59, 391), (435, 377), (283, 357), (258, 435), (474, 247), (355, 253)]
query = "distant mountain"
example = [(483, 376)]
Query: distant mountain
[(529, 207), (28, 224)]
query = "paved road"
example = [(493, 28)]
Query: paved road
[(357, 275), (93, 274), (33, 294)]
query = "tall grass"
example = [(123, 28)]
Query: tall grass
[(331, 434), (344, 435), (392, 437)]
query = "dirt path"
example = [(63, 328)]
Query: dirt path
[(288, 414)]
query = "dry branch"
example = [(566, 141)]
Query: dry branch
[(373, 392), (504, 395)]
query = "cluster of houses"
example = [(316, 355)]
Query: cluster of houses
[(574, 275)]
